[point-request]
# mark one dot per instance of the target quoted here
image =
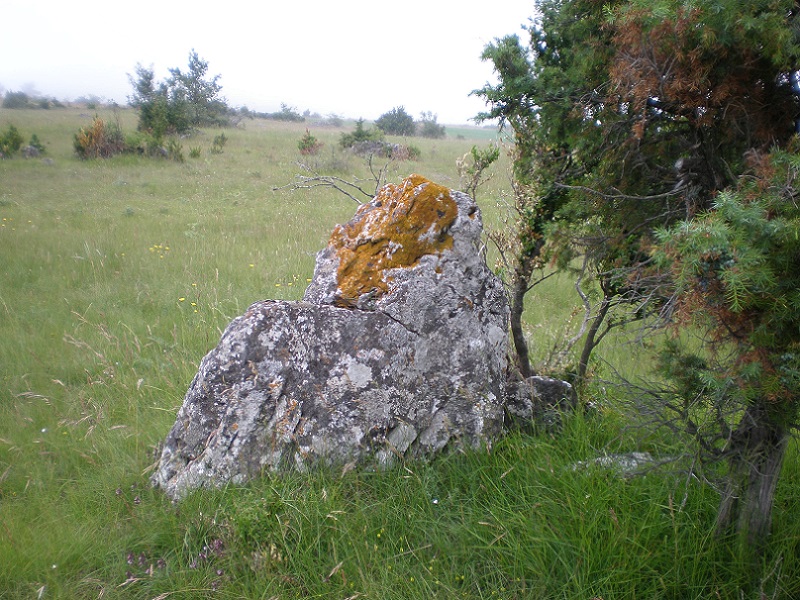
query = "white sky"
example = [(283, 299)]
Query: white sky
[(355, 58)]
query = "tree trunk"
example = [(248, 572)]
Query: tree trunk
[(522, 278), (755, 457), (589, 343)]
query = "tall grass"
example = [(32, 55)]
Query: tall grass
[(118, 275)]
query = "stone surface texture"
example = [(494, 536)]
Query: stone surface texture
[(397, 349), (540, 401)]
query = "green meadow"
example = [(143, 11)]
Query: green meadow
[(118, 275)]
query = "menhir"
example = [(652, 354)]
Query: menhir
[(397, 349)]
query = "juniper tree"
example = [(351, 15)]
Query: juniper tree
[(182, 101), (638, 126), (396, 122), (738, 290)]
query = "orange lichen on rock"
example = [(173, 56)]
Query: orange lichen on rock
[(401, 225)]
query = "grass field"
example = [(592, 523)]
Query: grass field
[(119, 275)]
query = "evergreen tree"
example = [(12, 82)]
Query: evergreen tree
[(396, 122), (638, 125), (183, 101), (201, 94)]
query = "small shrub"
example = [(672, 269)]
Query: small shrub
[(144, 143), (429, 128), (371, 148), (36, 143), (99, 140), (405, 152), (16, 100), (333, 120), (175, 150), (309, 145), (218, 144), (396, 122), (194, 152), (10, 141), (360, 134), (287, 113)]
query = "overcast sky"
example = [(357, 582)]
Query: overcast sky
[(350, 57)]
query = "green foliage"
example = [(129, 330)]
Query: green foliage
[(161, 112), (360, 134), (309, 145), (144, 144), (550, 93), (406, 152), (183, 101), (17, 100), (198, 93), (735, 269), (737, 288), (175, 150), (218, 143), (630, 116), (10, 141), (396, 122), (429, 128), (472, 168), (99, 140), (37, 144), (334, 120), (286, 113)]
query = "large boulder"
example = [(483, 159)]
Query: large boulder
[(398, 349)]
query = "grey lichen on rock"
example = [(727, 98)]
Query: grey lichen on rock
[(398, 349)]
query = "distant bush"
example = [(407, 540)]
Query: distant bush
[(99, 140), (37, 144), (218, 144), (175, 150), (144, 144), (406, 152), (383, 149), (16, 100), (183, 101), (162, 115), (309, 145), (23, 100), (286, 113), (91, 101), (429, 128), (360, 134), (10, 141), (396, 122)]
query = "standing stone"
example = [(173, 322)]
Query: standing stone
[(398, 349)]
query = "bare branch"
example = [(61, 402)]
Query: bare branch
[(353, 189), (619, 196)]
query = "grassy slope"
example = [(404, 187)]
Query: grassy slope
[(117, 276)]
